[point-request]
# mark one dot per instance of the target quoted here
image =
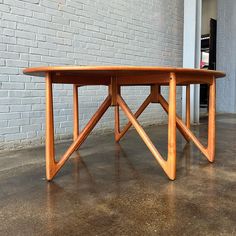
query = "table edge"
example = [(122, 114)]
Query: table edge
[(40, 71)]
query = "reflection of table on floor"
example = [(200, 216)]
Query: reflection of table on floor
[(114, 77)]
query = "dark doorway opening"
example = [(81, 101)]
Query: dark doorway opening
[(208, 61)]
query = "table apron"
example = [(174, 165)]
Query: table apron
[(135, 80)]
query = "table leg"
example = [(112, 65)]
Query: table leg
[(172, 128), (75, 112), (114, 93), (188, 106), (168, 166), (49, 142), (211, 121), (117, 123), (53, 166)]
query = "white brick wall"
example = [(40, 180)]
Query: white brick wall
[(81, 32), (226, 56)]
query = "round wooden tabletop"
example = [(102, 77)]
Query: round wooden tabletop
[(119, 70)]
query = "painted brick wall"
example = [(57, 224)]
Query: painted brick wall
[(81, 32), (226, 56)]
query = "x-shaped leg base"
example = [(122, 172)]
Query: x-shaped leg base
[(115, 99)]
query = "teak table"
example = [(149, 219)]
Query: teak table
[(114, 77)]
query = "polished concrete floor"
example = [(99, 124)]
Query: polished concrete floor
[(119, 189)]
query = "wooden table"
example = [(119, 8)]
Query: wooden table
[(114, 77)]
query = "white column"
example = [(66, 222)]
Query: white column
[(192, 52)]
